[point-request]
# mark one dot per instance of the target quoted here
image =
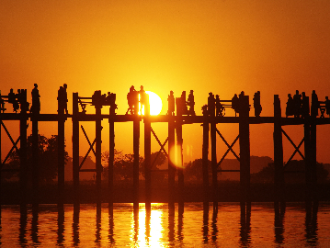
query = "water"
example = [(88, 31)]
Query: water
[(197, 226)]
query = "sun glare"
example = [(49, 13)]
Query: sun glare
[(156, 104)]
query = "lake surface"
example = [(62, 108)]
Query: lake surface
[(194, 225)]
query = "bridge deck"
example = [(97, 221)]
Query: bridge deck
[(163, 118)]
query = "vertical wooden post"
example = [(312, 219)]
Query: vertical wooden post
[(23, 148), (171, 166), (205, 157), (60, 137), (278, 152), (308, 167), (179, 105), (35, 156), (147, 151), (98, 153), (111, 155), (244, 141), (313, 161), (1, 165), (136, 150), (75, 148), (214, 159), (1, 173)]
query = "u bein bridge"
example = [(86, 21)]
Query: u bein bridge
[(177, 116)]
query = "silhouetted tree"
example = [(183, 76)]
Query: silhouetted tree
[(194, 170), (156, 160), (123, 165), (47, 158), (266, 175)]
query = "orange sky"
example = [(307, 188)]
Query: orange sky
[(225, 47)]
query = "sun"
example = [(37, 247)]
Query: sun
[(156, 104)]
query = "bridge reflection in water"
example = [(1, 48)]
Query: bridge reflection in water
[(195, 224)]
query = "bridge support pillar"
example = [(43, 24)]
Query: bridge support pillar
[(99, 167), (244, 141), (75, 150), (136, 150), (111, 158), (278, 153), (179, 140), (35, 159), (171, 166), (205, 157), (61, 145), (147, 154)]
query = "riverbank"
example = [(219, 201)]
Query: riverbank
[(228, 191)]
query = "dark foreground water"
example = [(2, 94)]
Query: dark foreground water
[(195, 225)]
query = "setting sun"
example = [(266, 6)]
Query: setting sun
[(156, 104)]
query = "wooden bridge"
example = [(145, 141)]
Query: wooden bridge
[(175, 121)]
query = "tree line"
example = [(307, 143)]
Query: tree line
[(123, 165)]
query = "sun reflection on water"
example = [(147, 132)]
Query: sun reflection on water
[(147, 228)]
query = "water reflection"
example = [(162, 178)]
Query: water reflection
[(214, 225), (35, 227), (180, 221), (111, 225), (98, 224), (162, 225), (279, 210), (205, 228), (311, 223), (245, 223), (171, 223), (75, 224), (60, 224), (22, 225)]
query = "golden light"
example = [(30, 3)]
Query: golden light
[(139, 234), (175, 156), (156, 104)]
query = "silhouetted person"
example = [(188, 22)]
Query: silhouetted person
[(327, 105), (171, 101), (143, 99), (12, 100), (235, 103), (289, 106), (11, 96), (21, 100), (240, 101), (256, 104), (63, 98), (211, 104), (17, 100), (111, 100), (315, 104), (218, 106), (35, 107), (304, 105), (183, 103), (204, 110), (2, 104), (132, 99), (297, 104), (191, 103)]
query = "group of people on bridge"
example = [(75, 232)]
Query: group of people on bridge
[(16, 100), (216, 107), (298, 105), (137, 101), (184, 106)]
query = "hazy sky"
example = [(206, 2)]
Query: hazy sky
[(225, 47)]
